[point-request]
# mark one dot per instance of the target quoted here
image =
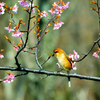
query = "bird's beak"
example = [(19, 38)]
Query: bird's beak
[(52, 55)]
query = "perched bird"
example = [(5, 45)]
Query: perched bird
[(64, 61)]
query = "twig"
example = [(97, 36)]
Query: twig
[(45, 61), (28, 52), (21, 74), (44, 77), (37, 59), (42, 34)]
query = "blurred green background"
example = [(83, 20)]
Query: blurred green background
[(78, 33)]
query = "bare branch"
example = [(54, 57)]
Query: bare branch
[(48, 73), (21, 74), (42, 34), (37, 59), (98, 6), (95, 42)]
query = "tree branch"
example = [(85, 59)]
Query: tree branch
[(48, 73), (98, 6), (95, 42)]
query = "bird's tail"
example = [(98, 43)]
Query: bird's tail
[(69, 83)]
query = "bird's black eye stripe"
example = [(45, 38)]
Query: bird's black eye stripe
[(55, 51)]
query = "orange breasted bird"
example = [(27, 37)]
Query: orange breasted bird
[(64, 61)]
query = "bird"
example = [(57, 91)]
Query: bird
[(63, 60)]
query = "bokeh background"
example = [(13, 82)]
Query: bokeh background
[(78, 33)]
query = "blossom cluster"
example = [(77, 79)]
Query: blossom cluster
[(25, 3), (16, 32), (57, 9), (14, 8), (9, 78), (73, 57), (2, 8)]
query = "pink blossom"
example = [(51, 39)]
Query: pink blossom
[(10, 78), (52, 12), (96, 55), (66, 5), (71, 56), (58, 11), (58, 65), (55, 4), (1, 56), (2, 10), (17, 34), (24, 3), (15, 8), (2, 4), (76, 54), (73, 67), (33, 10), (58, 25), (9, 29), (16, 48), (58, 8), (43, 14)]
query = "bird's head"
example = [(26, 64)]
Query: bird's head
[(57, 51)]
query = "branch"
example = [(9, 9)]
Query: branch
[(98, 6), (37, 59), (42, 34), (48, 73), (95, 42), (27, 36)]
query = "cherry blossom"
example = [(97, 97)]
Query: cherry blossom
[(96, 55), (24, 3), (1, 56), (65, 6), (58, 65), (10, 78), (76, 54), (17, 34), (52, 12), (15, 8), (55, 4), (33, 10), (73, 57), (9, 29), (73, 66), (58, 25), (2, 10), (43, 14), (2, 4), (58, 8), (16, 48)]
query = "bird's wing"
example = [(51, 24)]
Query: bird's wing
[(68, 58)]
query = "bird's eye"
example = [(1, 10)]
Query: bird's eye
[(55, 51)]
